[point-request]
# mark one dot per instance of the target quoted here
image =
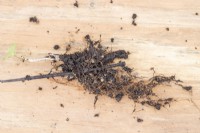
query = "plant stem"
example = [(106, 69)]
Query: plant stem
[(26, 78)]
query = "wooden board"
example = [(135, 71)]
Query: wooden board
[(23, 108)]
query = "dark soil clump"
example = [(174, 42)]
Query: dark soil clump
[(40, 88), (56, 47), (112, 40), (96, 115), (76, 4), (34, 19), (61, 105), (139, 120), (134, 16)]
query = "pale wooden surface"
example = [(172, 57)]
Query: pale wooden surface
[(25, 109)]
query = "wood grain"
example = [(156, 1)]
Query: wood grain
[(23, 108)]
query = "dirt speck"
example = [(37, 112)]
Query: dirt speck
[(67, 119), (40, 88), (56, 47), (96, 115), (76, 4), (167, 29), (34, 20), (55, 87), (134, 16), (61, 105), (139, 120), (112, 40)]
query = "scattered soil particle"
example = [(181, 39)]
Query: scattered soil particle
[(67, 119), (186, 40), (134, 16), (196, 48), (196, 13), (139, 120), (121, 28), (40, 88), (34, 19), (112, 40), (55, 87), (56, 47), (76, 4), (61, 105), (134, 23), (96, 115), (111, 1), (167, 29), (48, 31)]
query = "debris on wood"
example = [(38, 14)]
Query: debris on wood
[(76, 4), (134, 16), (97, 71), (34, 20), (56, 47), (112, 40), (96, 115), (40, 88), (139, 120), (61, 105)]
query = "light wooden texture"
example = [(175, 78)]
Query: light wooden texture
[(25, 109)]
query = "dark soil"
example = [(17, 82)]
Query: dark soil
[(55, 87), (76, 4), (40, 88), (96, 115), (56, 47), (97, 70), (134, 16), (34, 19), (112, 39), (139, 120), (167, 29), (61, 105)]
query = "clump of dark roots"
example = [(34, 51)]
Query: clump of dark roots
[(95, 69)]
